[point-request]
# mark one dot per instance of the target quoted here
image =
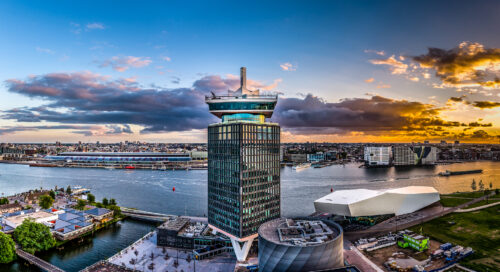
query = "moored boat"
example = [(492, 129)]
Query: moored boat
[(301, 166), (454, 173)]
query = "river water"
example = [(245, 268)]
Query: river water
[(152, 191)]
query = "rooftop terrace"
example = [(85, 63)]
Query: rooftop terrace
[(298, 232)]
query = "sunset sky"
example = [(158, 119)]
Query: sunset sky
[(345, 71)]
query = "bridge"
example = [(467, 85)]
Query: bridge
[(156, 217), (46, 266), (147, 216)]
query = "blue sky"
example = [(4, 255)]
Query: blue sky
[(329, 46)]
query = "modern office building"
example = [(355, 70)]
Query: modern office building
[(414, 155), (243, 165), (378, 156), (301, 244), (314, 158)]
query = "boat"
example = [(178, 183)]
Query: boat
[(129, 167), (301, 166), (109, 168), (43, 165), (454, 173), (319, 165)]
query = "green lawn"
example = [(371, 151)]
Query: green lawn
[(453, 202), (479, 230), (475, 194), (450, 200)]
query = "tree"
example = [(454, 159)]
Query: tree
[(68, 190), (112, 201), (105, 202), (80, 204), (116, 210), (7, 248), (473, 185), (91, 198), (33, 237), (3, 201), (52, 194), (46, 201), (481, 185)]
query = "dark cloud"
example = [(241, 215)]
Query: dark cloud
[(109, 106), (175, 80), (118, 129), (469, 64), (377, 113), (486, 104), (456, 99), (477, 124), (92, 99), (79, 129)]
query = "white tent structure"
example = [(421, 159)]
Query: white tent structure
[(364, 202)]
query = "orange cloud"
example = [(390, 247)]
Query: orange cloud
[(396, 66)]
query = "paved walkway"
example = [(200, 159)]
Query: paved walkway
[(354, 257), (477, 208)]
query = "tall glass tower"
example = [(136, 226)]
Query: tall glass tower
[(243, 165)]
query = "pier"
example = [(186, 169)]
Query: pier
[(32, 259)]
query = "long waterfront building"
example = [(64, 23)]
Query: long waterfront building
[(243, 165)]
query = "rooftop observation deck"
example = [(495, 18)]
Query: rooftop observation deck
[(242, 101)]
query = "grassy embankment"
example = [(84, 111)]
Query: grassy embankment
[(453, 200), (479, 230)]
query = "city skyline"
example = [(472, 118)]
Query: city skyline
[(344, 71)]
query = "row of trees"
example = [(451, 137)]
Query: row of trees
[(109, 204), (481, 185)]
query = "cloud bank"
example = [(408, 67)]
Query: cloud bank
[(89, 99)]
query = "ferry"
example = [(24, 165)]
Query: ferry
[(453, 173), (301, 166)]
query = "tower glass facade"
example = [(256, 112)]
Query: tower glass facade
[(243, 176), (243, 163)]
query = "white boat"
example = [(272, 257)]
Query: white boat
[(301, 166)]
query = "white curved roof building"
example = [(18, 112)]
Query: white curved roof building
[(364, 202)]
